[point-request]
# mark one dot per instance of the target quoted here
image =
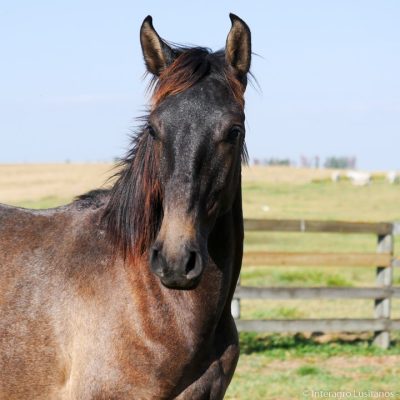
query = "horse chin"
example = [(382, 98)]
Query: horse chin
[(181, 284)]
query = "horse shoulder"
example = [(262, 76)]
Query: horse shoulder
[(44, 257)]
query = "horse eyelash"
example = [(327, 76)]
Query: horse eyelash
[(151, 131)]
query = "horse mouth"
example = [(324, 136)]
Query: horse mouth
[(182, 283)]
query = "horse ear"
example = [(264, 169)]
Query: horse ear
[(157, 54), (238, 47)]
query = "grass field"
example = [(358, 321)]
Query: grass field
[(277, 366)]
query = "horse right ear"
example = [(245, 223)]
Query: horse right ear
[(157, 54)]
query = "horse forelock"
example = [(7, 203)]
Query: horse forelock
[(191, 66)]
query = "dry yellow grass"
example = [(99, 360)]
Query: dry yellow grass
[(32, 182), (287, 175), (269, 192)]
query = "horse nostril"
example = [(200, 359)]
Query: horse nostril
[(156, 262), (180, 270), (153, 255), (191, 262)]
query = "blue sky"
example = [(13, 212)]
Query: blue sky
[(329, 74)]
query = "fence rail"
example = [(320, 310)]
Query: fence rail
[(285, 293), (319, 325), (382, 294), (301, 225)]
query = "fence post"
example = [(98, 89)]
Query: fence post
[(235, 305), (384, 278)]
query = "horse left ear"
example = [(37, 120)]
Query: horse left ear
[(157, 54), (238, 47)]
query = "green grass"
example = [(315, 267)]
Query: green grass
[(279, 312), (306, 276), (293, 241), (293, 346), (291, 366), (305, 370), (323, 200)]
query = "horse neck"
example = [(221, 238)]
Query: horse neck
[(226, 243), (237, 216)]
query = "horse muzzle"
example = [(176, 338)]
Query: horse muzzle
[(180, 270)]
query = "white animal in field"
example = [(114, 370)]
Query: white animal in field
[(358, 178), (335, 176), (393, 177)]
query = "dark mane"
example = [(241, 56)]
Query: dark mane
[(134, 211), (93, 199)]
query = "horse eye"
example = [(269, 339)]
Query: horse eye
[(151, 131), (233, 134)]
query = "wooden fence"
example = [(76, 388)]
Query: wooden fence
[(382, 293)]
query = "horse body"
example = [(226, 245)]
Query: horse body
[(125, 293), (67, 333)]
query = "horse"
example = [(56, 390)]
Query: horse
[(125, 293)]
